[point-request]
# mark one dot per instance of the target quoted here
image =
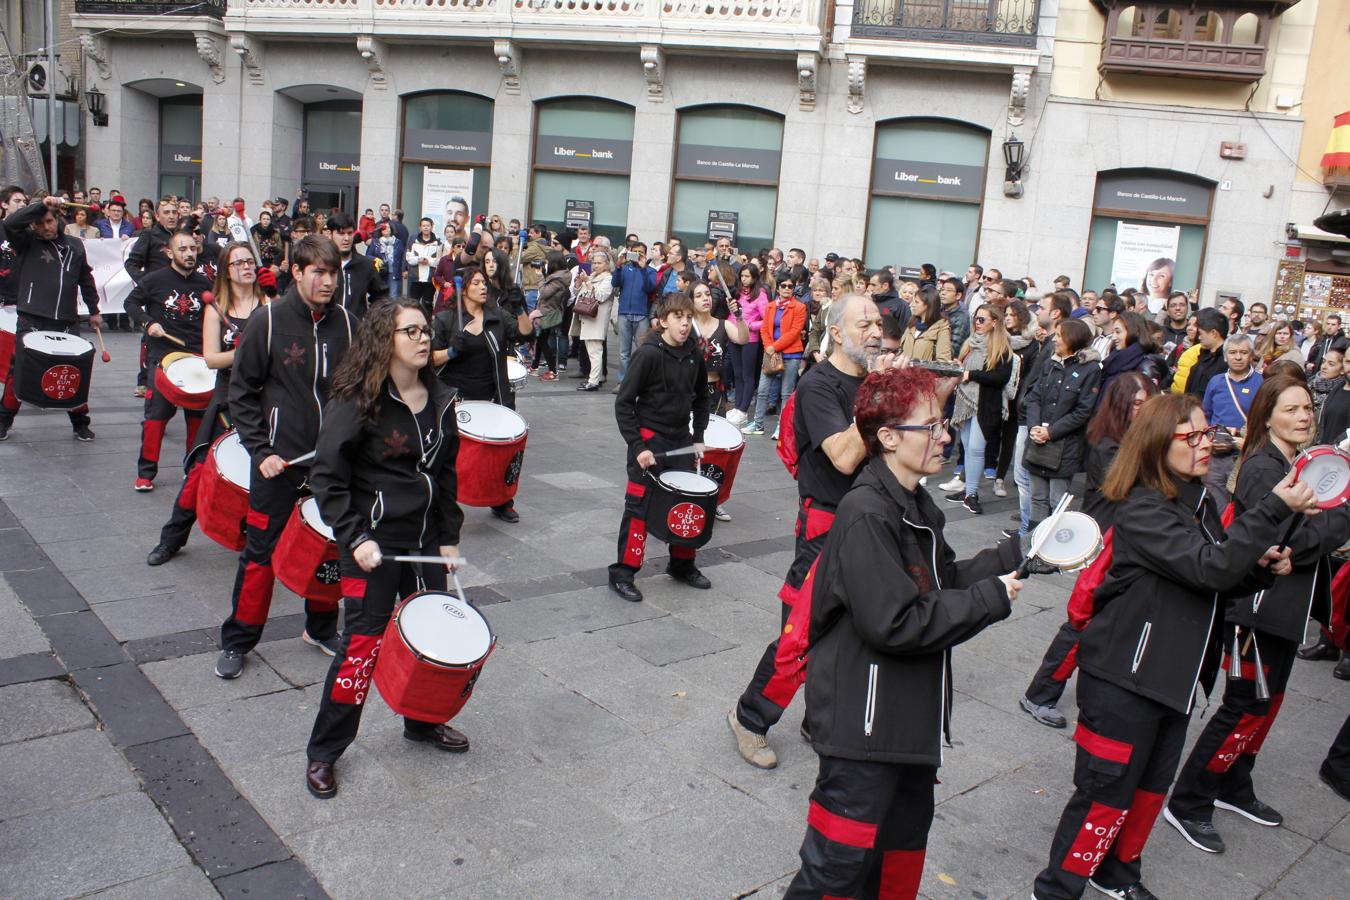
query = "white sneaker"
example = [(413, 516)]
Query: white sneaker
[(722, 515), (1000, 489), (736, 417), (956, 484), (775, 432)]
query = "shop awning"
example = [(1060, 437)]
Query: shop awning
[(1313, 233), (1337, 155)]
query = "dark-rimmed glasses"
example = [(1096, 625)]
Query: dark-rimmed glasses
[(414, 332), (1193, 438), (935, 429)]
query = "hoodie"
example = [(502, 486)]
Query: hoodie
[(48, 277), (663, 386)]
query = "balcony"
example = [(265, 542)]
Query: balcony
[(143, 8), (1217, 41), (998, 23)]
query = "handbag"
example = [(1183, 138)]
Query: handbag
[(586, 304), (773, 363), (1047, 456)]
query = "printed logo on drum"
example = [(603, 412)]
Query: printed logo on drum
[(453, 610), (686, 520), (396, 444), (295, 355), (513, 468), (61, 382), (463, 416), (708, 470), (1064, 535), (328, 572)]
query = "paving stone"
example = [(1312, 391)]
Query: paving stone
[(184, 883), (37, 775), (538, 618), (285, 880), (19, 634), (634, 781), (1311, 877), (45, 591), (170, 646), (297, 663), (30, 667), (665, 640), (191, 681), (249, 728), (142, 617), (82, 641), (128, 704), (77, 849), (40, 708)]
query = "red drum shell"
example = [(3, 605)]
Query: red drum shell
[(9, 325), (488, 469), (176, 395), (307, 561), (415, 687), (1331, 483), (722, 455), (222, 505)]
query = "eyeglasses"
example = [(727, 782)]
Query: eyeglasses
[(935, 430), (414, 332), (1100, 309), (1193, 438), (786, 285), (243, 264), (980, 320), (989, 278)]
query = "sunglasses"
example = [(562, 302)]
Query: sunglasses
[(1193, 438), (980, 320), (1100, 309)]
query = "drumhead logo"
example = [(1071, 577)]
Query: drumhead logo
[(453, 610), (463, 416), (686, 520), (328, 573), (513, 469), (708, 470), (61, 382), (1064, 535)]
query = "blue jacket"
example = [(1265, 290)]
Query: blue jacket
[(634, 287), (125, 228), (393, 267), (1218, 403)]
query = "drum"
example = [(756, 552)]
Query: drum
[(9, 327), (185, 380), (1075, 543), (516, 373), (222, 492), (1326, 470), (722, 457), (52, 369), (491, 452), (306, 558), (431, 656), (682, 508)]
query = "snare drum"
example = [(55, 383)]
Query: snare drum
[(491, 452), (222, 492), (722, 457), (682, 508), (516, 373), (185, 380), (9, 327), (1075, 543), (306, 557), (52, 369), (1326, 470), (431, 656)]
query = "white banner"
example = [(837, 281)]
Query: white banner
[(447, 194), (107, 258), (1138, 247)]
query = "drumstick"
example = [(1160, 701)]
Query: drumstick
[(442, 560), (1289, 532), (210, 300), (98, 333), (679, 451), (304, 457), (179, 341), (1047, 528)]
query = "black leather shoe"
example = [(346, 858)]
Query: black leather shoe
[(588, 387), (627, 590), (1342, 670), (507, 515), (442, 737), (320, 780), (691, 576), (1323, 649), (1335, 782), (160, 555)]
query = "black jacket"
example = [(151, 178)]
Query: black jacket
[(501, 333), (663, 385), (889, 303), (889, 602), (1208, 364), (374, 480), (1099, 458), (1063, 398), (1284, 608), (359, 285), (282, 368), (991, 382), (1156, 630), (175, 302), (48, 278), (150, 252)]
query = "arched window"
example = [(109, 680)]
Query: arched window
[(1209, 27), (1247, 29), (583, 152), (1129, 23), (447, 152)]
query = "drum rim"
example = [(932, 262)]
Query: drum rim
[(38, 333), (215, 445), (166, 368), (1308, 455), (525, 425), (739, 433), (671, 489), (420, 656), (300, 511), (1077, 561)]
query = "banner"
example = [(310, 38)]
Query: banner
[(107, 258), (1138, 247), (447, 194)]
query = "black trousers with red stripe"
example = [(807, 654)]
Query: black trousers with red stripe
[(769, 692), (1128, 750), (368, 599), (270, 501), (1220, 764), (866, 831), (175, 532), (1057, 666), (637, 494), (159, 411), (9, 401)]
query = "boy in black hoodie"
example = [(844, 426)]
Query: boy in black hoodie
[(665, 382)]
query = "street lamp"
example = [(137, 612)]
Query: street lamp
[(93, 98), (1013, 150)]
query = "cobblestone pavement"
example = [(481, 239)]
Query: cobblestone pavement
[(601, 763)]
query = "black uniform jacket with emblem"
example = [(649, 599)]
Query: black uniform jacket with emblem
[(173, 301), (380, 480), (360, 284), (889, 602), (282, 368), (1156, 630), (664, 384), (47, 278), (1283, 609)]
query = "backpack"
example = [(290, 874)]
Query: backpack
[(787, 434)]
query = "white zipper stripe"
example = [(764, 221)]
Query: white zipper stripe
[(869, 710), (1140, 647)]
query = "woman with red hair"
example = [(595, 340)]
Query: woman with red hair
[(889, 602)]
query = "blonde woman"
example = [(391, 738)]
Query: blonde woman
[(592, 330), (988, 360), (818, 342), (1279, 344), (928, 336)]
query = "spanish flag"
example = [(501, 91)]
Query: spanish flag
[(1337, 155)]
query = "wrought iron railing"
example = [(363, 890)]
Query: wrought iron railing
[(1010, 23)]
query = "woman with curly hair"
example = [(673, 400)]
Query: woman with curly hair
[(384, 476)]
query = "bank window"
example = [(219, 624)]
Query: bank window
[(582, 157), (727, 162)]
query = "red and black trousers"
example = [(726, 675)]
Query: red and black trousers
[(270, 502), (369, 600), (1220, 764), (637, 498), (175, 532), (1057, 666), (159, 412), (9, 401), (866, 831), (1128, 750), (776, 680)]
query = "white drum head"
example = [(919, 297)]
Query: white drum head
[(721, 434), (688, 483), (441, 627), (309, 511), (1074, 541), (57, 343), (191, 374), (9, 320), (515, 371), (232, 460), (490, 421), (1328, 474)]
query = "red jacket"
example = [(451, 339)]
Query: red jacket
[(789, 329)]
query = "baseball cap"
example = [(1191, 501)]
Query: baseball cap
[(832, 257)]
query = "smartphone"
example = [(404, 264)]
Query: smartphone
[(632, 255)]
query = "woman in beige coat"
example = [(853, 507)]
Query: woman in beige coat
[(592, 330), (928, 337)]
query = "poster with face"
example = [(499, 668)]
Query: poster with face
[(1145, 258), (447, 198)]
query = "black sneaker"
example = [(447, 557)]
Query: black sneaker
[(1135, 891), (4, 431), (972, 505), (84, 433), (327, 646), (1011, 533), (1201, 835), (626, 589), (1046, 715), (956, 496), (1334, 781), (1342, 670), (160, 555), (1255, 810), (229, 664)]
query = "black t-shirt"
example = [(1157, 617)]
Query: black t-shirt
[(825, 401), (426, 425), (1335, 417), (714, 347), (473, 370)]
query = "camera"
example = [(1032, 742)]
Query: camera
[(632, 256)]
